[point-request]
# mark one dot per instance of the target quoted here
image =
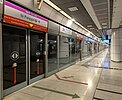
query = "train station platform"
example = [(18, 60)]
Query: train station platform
[(94, 78)]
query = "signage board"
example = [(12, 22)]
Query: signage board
[(21, 17), (65, 30), (79, 36)]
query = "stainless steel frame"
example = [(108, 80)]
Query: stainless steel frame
[(58, 43), (46, 54), (1, 64), (28, 77), (23, 84), (56, 70)]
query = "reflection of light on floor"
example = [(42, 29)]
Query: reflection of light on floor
[(89, 83), (96, 71)]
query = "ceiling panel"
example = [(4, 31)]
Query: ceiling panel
[(101, 10), (80, 15)]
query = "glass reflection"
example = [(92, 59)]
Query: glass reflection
[(64, 51), (36, 53), (52, 53), (14, 56)]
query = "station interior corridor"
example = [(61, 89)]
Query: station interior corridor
[(93, 78)]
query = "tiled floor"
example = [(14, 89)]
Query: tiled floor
[(86, 80)]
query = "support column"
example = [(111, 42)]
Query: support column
[(116, 45)]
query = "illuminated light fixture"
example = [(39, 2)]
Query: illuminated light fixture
[(104, 26), (88, 34), (52, 5), (89, 26), (66, 15), (73, 20), (73, 9), (104, 23), (69, 23)]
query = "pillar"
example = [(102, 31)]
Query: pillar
[(116, 45)]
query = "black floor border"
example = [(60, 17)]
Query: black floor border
[(109, 91), (97, 98)]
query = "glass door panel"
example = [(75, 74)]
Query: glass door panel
[(37, 46), (52, 53), (64, 51), (78, 49), (73, 54), (14, 56)]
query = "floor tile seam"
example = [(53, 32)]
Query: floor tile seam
[(47, 95), (50, 92), (30, 94), (112, 86), (97, 84), (111, 76), (109, 83), (114, 80), (97, 98), (109, 91), (47, 86)]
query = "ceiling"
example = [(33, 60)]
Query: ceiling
[(79, 13), (101, 8), (95, 15)]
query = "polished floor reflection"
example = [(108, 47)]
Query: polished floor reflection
[(94, 78)]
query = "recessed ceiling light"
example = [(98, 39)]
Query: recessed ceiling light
[(73, 8), (52, 5), (104, 26), (89, 26), (104, 23)]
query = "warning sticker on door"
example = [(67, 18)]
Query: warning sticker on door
[(14, 55)]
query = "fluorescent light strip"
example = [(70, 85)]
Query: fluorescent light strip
[(65, 14), (52, 5)]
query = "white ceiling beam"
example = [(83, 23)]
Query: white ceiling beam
[(88, 6)]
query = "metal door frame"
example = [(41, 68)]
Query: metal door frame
[(1, 63), (30, 81), (23, 84), (56, 70)]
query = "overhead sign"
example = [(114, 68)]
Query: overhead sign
[(65, 30), (79, 36), (19, 16)]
